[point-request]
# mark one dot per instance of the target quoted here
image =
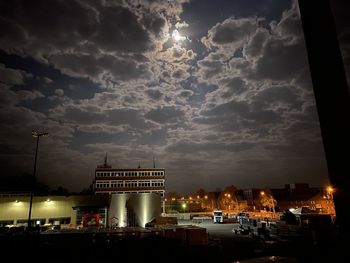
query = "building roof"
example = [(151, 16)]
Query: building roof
[(128, 169)]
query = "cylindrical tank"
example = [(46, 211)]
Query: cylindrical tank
[(133, 209)]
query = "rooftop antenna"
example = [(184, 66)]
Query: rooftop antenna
[(139, 165), (154, 162), (105, 163)]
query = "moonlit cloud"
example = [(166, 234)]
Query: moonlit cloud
[(219, 100), (11, 76)]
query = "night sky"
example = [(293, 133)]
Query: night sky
[(219, 92)]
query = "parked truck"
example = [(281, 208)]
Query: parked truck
[(218, 216)]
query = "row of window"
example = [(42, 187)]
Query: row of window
[(121, 184), (161, 192), (106, 174)]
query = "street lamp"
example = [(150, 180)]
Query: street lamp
[(184, 206), (330, 191), (229, 202), (36, 135), (271, 202)]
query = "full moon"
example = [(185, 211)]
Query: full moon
[(177, 37)]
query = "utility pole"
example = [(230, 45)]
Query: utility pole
[(37, 136)]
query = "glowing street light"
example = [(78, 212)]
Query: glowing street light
[(330, 190), (36, 135), (329, 196), (184, 206), (270, 200)]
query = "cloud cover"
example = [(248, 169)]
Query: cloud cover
[(234, 106)]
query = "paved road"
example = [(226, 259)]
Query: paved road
[(232, 246), (215, 230), (238, 247)]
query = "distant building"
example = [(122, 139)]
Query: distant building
[(110, 180), (252, 198), (293, 196), (302, 195), (66, 211)]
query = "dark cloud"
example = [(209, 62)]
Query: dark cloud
[(78, 115), (186, 93), (113, 68), (7, 97), (153, 138), (232, 31), (165, 115), (234, 85), (154, 94), (90, 115), (45, 24), (76, 37), (113, 28), (179, 74), (127, 116), (120, 30), (11, 76), (289, 27), (209, 68), (185, 147), (279, 98), (340, 10), (255, 44), (281, 60), (154, 23), (229, 108)]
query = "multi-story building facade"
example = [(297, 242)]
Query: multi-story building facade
[(110, 180)]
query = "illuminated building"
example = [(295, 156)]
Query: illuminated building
[(133, 209), (66, 211), (116, 210), (110, 180)]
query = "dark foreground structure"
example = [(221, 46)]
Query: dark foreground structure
[(165, 244), (332, 98)]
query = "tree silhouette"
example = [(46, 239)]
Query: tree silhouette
[(267, 200), (228, 198)]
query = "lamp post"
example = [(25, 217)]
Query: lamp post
[(330, 191), (37, 136), (229, 202), (262, 193), (238, 210), (271, 202)]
